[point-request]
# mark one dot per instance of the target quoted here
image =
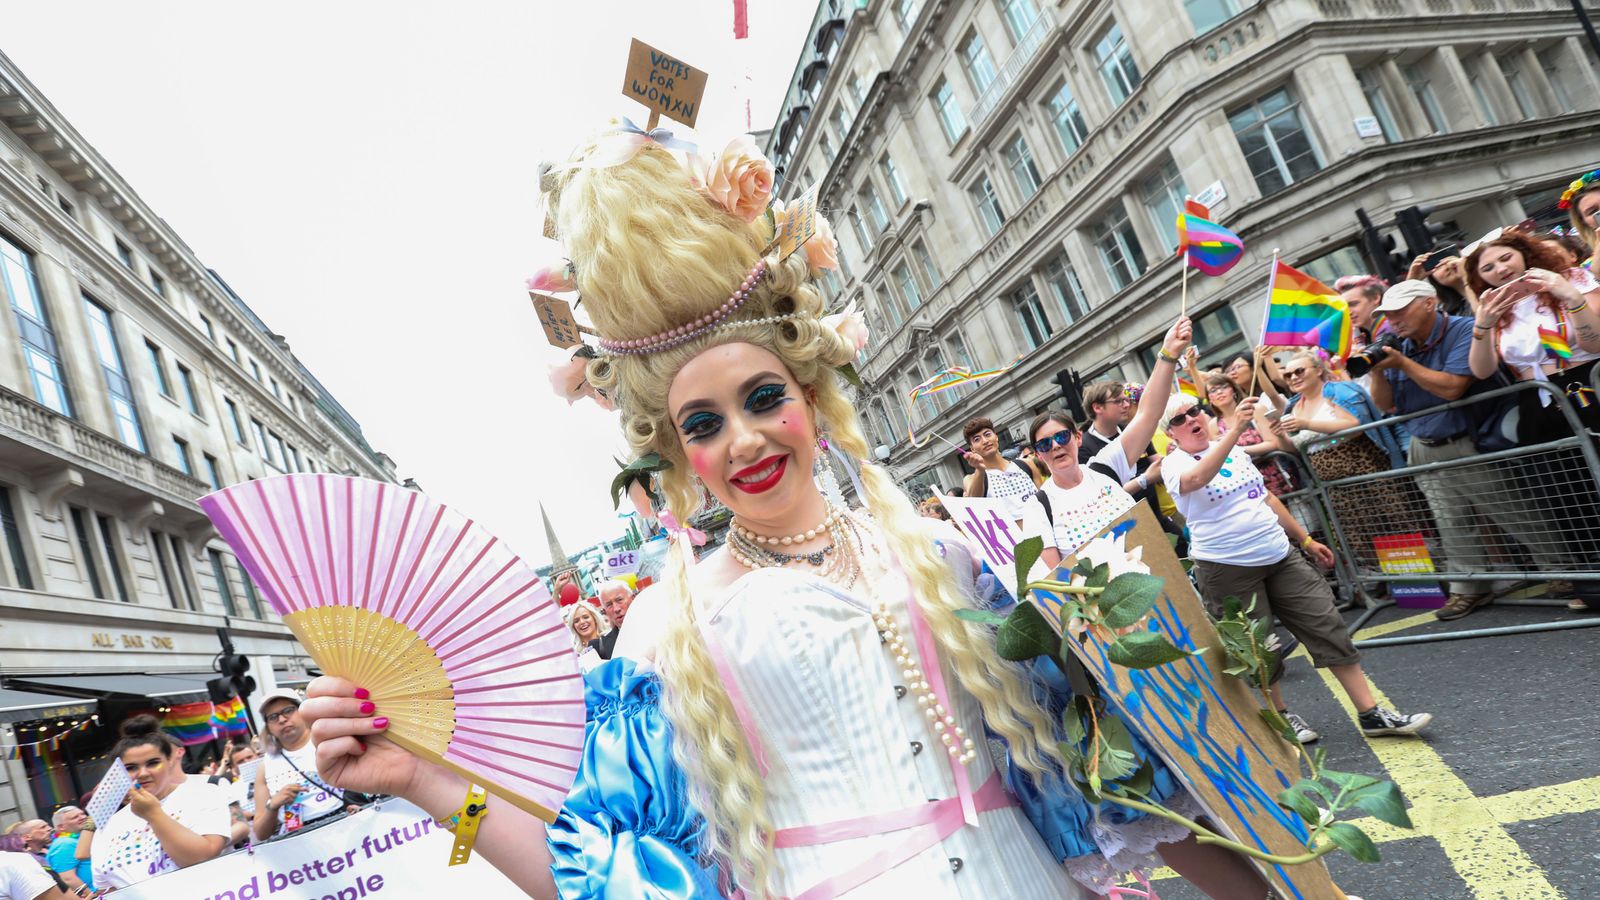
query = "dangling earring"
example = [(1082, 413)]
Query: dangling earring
[(822, 473)]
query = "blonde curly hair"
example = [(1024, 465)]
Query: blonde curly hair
[(652, 252)]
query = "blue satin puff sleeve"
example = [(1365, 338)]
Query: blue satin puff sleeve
[(627, 829)]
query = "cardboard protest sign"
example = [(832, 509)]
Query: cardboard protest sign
[(555, 316), (108, 794), (666, 85), (391, 850), (988, 527), (797, 223), (1204, 724)]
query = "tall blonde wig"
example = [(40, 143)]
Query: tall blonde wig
[(651, 253)]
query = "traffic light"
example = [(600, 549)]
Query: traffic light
[(234, 668), (1071, 388), (1420, 235), (1381, 249)]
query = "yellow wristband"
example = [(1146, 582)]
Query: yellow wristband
[(1166, 356), (465, 823), (1307, 542)]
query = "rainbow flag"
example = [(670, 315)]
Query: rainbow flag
[(228, 718), (1185, 386), (1208, 246), (1553, 343), (1304, 312), (190, 723)]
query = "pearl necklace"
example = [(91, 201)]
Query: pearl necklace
[(961, 748), (838, 562), (808, 535)]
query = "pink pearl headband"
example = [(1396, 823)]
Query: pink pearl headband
[(672, 337)]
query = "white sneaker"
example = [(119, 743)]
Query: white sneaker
[(1302, 731)]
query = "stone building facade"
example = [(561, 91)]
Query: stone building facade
[(1004, 175), (133, 380)]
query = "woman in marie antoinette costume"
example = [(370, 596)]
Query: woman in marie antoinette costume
[(802, 713)]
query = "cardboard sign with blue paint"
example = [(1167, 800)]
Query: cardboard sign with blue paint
[(1203, 723)]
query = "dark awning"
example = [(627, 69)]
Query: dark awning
[(178, 688), (26, 706), (831, 30), (813, 73)]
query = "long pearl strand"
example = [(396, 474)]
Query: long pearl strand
[(961, 748)]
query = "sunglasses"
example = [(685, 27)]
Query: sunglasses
[(1059, 439), (1190, 413), (1295, 373)]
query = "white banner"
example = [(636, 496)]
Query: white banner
[(391, 851), (622, 562), (989, 528)]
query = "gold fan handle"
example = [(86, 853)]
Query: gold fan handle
[(465, 824)]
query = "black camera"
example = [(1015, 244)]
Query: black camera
[(1361, 362)]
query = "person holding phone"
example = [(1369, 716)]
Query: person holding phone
[(172, 820), (302, 795)]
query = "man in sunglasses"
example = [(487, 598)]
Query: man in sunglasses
[(1079, 500)]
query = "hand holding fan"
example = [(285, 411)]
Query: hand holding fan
[(456, 638)]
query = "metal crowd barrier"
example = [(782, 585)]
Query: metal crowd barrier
[(1530, 513)]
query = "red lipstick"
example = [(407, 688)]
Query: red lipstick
[(777, 463)]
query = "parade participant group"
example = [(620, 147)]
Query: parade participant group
[(804, 711)]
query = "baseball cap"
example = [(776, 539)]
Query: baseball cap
[(292, 696), (1400, 296)]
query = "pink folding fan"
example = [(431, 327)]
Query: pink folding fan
[(459, 642)]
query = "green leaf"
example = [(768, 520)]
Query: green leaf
[(1142, 782), (1173, 539), (1100, 577), (1349, 781), (1143, 650), (1025, 634), (1116, 765), (1187, 563), (1295, 798), (981, 616), (1353, 841), (1129, 597), (1279, 724), (1027, 553), (1383, 802), (1072, 723), (1084, 568), (848, 373)]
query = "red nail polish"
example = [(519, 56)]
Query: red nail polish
[(360, 747), (362, 693), (368, 707), (380, 722)]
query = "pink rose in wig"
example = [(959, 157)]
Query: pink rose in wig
[(822, 250), (851, 325), (570, 382), (740, 179)]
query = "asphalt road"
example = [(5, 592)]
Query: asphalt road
[(1505, 787)]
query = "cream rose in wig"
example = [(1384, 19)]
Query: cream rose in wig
[(652, 251)]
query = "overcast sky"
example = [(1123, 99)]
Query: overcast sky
[(363, 174)]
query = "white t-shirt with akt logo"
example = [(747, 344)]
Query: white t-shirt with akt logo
[(127, 850), (1229, 519)]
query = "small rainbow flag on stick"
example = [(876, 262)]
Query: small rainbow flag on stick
[(1554, 343), (1208, 246), (1304, 312)]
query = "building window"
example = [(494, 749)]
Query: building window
[(1068, 118), (841, 122), (976, 61), (1485, 108), (1019, 15), (233, 418), (39, 349), (19, 559), (191, 397), (1216, 336), (988, 204), (928, 268), (905, 13), (1372, 89), (81, 528), (827, 149), (164, 569), (250, 593), (1555, 73), (1422, 89), (233, 350), (124, 254), (210, 329), (1511, 68), (860, 228), (908, 286), (1062, 281), (219, 572), (277, 389), (874, 205), (1119, 248), (1274, 141), (180, 449), (294, 458), (1114, 59), (116, 376), (1030, 314), (1024, 174), (857, 95), (281, 457), (1163, 198), (262, 446), (158, 284), (213, 472), (1329, 267), (1208, 14), (950, 117), (255, 371), (113, 549), (158, 367), (66, 206), (891, 176)]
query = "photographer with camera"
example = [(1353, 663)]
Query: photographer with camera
[(1430, 368)]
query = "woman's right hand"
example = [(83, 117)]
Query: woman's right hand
[(1243, 414), (284, 796), (352, 752)]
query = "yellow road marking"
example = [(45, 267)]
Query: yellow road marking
[(1374, 631)]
